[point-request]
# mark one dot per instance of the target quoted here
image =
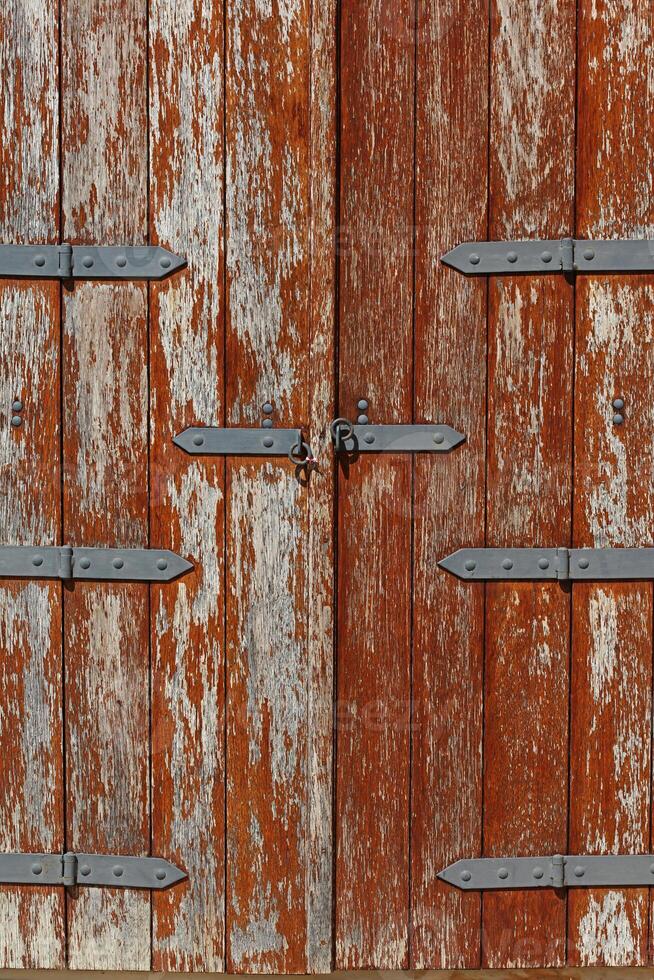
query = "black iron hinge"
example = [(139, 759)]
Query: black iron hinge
[(92, 564), (88, 869), (567, 255), (557, 871), (546, 564), (88, 262)]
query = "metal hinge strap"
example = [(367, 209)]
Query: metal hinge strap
[(557, 871), (568, 255), (73, 869), (92, 564), (545, 564), (350, 438), (88, 262)]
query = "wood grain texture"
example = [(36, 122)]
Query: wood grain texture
[(104, 150), (187, 495), (529, 472), (450, 386), (374, 498), (32, 928), (612, 638), (278, 674), (321, 489)]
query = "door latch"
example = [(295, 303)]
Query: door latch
[(71, 869), (88, 262), (559, 871), (246, 442), (349, 437), (92, 564)]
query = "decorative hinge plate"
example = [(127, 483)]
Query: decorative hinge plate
[(542, 257), (350, 438), (92, 564), (239, 442), (88, 869), (574, 564), (559, 871), (88, 262)]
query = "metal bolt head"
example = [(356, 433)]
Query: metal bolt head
[(267, 409), (369, 438), (512, 257), (160, 874), (117, 871), (40, 261), (470, 566), (618, 404), (538, 872), (579, 871), (363, 420), (198, 440), (118, 563), (87, 261), (589, 254), (546, 257), (85, 563), (37, 868), (543, 563), (165, 262), (121, 261), (362, 405), (162, 564), (503, 873), (474, 259), (16, 421), (37, 560), (651, 869), (17, 406), (583, 563), (618, 419), (465, 876), (439, 438), (507, 564), (267, 423), (85, 869), (269, 442)]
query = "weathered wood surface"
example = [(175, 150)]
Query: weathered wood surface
[(278, 823), (611, 799), (375, 497), (529, 472), (105, 487), (450, 386), (187, 508), (32, 933)]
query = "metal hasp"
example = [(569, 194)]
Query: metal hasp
[(92, 564), (558, 871), (88, 262), (246, 442), (567, 255), (88, 869), (546, 564), (350, 438)]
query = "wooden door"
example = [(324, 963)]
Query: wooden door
[(317, 720)]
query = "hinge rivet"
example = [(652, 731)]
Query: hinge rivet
[(16, 421), (118, 563), (160, 874), (543, 563), (465, 876), (87, 261), (538, 873), (85, 870), (470, 566), (269, 442), (583, 563), (579, 871), (589, 254), (512, 257), (198, 440), (85, 563), (439, 438), (503, 873), (546, 257), (37, 869), (651, 868), (162, 564), (474, 259), (118, 871), (369, 438), (37, 560), (507, 564), (121, 261), (40, 261), (165, 263)]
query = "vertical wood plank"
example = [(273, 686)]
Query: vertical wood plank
[(451, 168), (32, 931), (320, 533), (106, 633), (375, 494), (529, 472), (279, 838), (614, 501), (187, 495)]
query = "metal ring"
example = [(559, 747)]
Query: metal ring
[(294, 453), (341, 429)]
